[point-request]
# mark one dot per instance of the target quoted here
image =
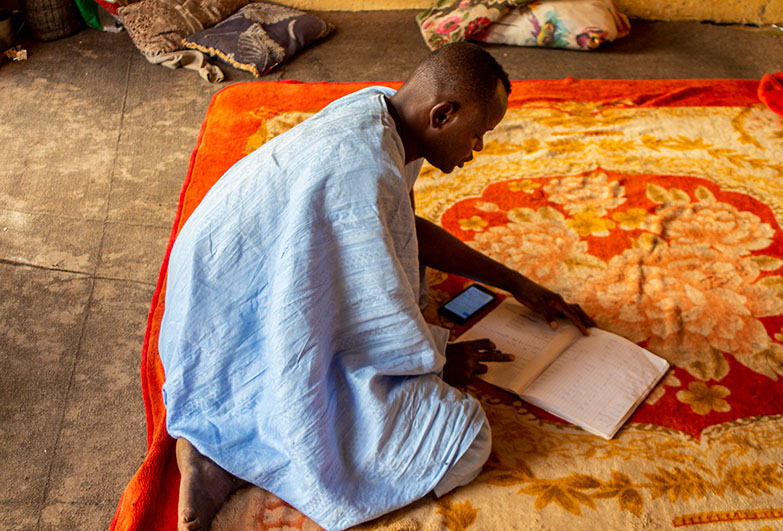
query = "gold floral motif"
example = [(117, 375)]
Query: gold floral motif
[(590, 192), (768, 361), (774, 284), (566, 492), (473, 223), (738, 159), (766, 263), (670, 380), (704, 399), (678, 143), (622, 488), (658, 194), (530, 145), (614, 144), (752, 479), (565, 146), (588, 223), (497, 148), (456, 516), (578, 115), (525, 185), (743, 136), (677, 484), (633, 218)]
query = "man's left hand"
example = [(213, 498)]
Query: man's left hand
[(551, 305)]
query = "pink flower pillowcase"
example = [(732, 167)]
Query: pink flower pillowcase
[(575, 24)]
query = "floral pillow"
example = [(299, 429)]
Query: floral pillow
[(259, 36), (453, 21), (577, 24)]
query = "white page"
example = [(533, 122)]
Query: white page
[(517, 330), (597, 382)]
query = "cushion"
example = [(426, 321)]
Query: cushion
[(260, 36), (452, 21), (158, 26), (575, 24)]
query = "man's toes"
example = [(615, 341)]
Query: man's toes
[(193, 525), (188, 521)]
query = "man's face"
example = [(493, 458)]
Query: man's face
[(454, 143)]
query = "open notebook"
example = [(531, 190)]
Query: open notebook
[(593, 381)]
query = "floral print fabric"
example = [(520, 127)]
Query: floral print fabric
[(576, 24), (158, 26)]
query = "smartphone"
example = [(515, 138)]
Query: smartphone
[(468, 303)]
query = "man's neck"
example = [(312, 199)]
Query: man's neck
[(409, 142)]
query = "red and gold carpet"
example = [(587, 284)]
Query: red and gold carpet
[(657, 205)]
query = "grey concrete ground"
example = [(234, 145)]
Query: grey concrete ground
[(94, 146)]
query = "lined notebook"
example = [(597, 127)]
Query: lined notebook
[(595, 382)]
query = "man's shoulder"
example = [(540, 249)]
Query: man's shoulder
[(356, 127), (362, 96)]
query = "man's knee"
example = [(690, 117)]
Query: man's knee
[(469, 465)]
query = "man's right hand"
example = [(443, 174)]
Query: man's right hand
[(463, 360)]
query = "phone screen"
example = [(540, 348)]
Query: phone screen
[(468, 303)]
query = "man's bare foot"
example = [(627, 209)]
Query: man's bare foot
[(203, 488)]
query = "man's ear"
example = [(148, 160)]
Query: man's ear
[(442, 114)]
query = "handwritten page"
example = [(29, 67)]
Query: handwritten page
[(597, 382), (517, 330)]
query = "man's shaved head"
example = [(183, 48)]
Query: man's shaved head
[(462, 70), (451, 100)]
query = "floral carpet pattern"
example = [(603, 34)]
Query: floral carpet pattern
[(657, 206)]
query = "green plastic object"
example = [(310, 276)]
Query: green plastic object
[(89, 11)]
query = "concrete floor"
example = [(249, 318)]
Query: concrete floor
[(94, 147)]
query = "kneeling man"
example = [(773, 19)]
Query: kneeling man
[(295, 351)]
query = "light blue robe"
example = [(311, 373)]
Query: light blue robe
[(296, 355)]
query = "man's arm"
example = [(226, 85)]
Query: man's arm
[(441, 250)]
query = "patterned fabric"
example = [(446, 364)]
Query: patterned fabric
[(576, 24), (657, 205), (158, 26), (260, 36), (458, 20)]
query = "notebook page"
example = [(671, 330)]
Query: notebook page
[(597, 382), (517, 330)]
